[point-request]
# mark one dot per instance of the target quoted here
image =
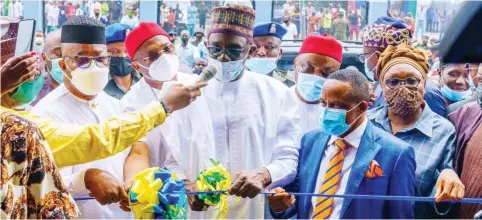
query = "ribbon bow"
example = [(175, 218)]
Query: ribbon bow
[(157, 193), (216, 178)]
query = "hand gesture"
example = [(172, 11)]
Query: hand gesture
[(179, 96), (124, 203), (449, 186), (17, 70), (195, 203), (104, 186), (280, 201), (250, 183)]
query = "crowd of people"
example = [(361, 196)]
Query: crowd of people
[(177, 19), (12, 9), (107, 12), (332, 20), (104, 106)]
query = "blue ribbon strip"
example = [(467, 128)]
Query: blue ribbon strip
[(369, 197)]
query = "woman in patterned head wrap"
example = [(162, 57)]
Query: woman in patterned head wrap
[(402, 73)]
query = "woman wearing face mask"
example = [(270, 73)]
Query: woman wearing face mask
[(457, 81), (402, 73)]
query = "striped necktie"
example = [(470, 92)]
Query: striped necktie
[(324, 205)]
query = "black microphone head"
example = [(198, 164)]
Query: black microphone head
[(208, 73)]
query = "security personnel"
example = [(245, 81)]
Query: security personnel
[(122, 76), (267, 37)]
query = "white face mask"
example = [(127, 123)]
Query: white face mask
[(164, 68), (91, 80), (227, 71)]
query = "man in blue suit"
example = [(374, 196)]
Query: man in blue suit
[(348, 155)]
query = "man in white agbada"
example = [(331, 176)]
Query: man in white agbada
[(319, 56), (80, 100), (153, 55), (254, 121)]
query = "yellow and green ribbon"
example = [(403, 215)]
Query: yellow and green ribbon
[(216, 178)]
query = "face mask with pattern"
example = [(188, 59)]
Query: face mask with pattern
[(403, 100)]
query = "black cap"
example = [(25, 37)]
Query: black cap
[(83, 30)]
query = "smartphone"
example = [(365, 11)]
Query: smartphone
[(25, 36)]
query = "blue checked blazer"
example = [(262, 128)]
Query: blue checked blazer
[(395, 157)]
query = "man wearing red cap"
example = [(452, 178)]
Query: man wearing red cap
[(253, 117), (319, 56), (153, 55)]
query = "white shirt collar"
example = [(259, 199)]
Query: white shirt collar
[(354, 138)]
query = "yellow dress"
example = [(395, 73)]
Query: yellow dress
[(73, 144)]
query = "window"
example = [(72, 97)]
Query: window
[(341, 19), (175, 16), (108, 12), (425, 18)]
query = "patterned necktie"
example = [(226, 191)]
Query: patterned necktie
[(331, 180)]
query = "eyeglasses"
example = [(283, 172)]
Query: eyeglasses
[(153, 56), (85, 61), (411, 81), (364, 56), (230, 51)]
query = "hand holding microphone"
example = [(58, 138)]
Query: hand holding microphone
[(180, 96)]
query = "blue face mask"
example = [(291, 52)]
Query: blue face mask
[(369, 73), (227, 71), (56, 72), (455, 96), (261, 65), (333, 121), (309, 86)]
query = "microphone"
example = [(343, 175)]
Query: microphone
[(207, 74)]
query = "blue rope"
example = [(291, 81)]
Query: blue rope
[(366, 197)]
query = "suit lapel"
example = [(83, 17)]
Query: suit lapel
[(367, 151), (314, 159)]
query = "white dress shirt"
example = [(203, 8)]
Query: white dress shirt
[(60, 105), (309, 114), (354, 139), (255, 124)]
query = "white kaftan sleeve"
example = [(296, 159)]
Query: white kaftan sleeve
[(285, 152)]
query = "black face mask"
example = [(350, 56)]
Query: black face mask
[(120, 66), (96, 14), (286, 21)]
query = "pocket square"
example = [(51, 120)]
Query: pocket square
[(374, 170)]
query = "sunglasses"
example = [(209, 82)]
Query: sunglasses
[(232, 52), (153, 56), (411, 81), (85, 61)]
